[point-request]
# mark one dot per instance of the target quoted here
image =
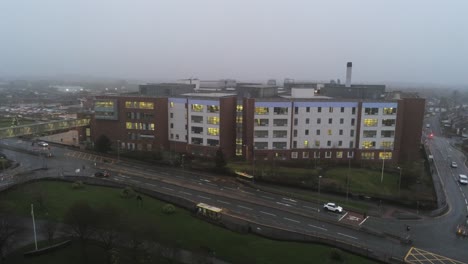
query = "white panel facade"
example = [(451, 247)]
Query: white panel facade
[(272, 125), (325, 125), (378, 122), (203, 122), (177, 120)]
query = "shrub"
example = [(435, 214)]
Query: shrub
[(168, 209), (127, 193), (77, 185)]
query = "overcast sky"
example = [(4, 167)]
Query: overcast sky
[(393, 40)]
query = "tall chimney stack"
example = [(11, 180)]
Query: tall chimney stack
[(349, 69)]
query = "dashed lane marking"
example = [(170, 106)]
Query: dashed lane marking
[(248, 208), (267, 213), (168, 188), (268, 197), (204, 197), (223, 202), (185, 193), (318, 227), (341, 234), (292, 220), (283, 204)]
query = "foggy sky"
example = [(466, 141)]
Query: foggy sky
[(398, 40)]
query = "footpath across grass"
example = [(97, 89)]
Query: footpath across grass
[(187, 231)]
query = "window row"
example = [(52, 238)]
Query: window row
[(211, 131), (138, 136), (372, 144), (209, 108), (371, 155), (328, 154), (383, 133), (139, 126), (373, 122), (138, 115), (139, 105), (375, 110), (214, 120), (330, 110), (201, 141), (316, 144), (328, 131), (265, 134), (330, 121)]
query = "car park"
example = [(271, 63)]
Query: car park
[(333, 207), (102, 174), (454, 164), (463, 179)]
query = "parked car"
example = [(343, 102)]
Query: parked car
[(102, 174), (454, 164), (463, 179), (333, 207)]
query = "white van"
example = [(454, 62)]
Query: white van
[(463, 179)]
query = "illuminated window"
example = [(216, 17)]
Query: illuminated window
[(293, 155), (239, 108), (305, 155), (261, 110), (329, 132), (368, 144), (370, 122), (129, 104), (215, 120), (172, 104), (385, 155), (104, 104), (238, 120), (339, 154), (389, 110), (306, 143), (261, 122), (317, 143), (367, 155), (146, 105), (151, 126), (129, 125), (212, 108), (197, 108), (386, 144), (238, 141), (213, 131)]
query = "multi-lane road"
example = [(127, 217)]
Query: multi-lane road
[(432, 234)]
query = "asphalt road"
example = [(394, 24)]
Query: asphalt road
[(433, 234)]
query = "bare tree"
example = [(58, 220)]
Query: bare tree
[(81, 220), (108, 229), (9, 229)]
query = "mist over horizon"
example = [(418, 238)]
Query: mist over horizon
[(418, 42)]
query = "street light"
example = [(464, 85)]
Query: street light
[(383, 166), (118, 150), (347, 180), (399, 181), (320, 177)]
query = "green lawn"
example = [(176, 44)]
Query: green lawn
[(188, 231)]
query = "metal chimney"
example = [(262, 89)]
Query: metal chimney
[(349, 69)]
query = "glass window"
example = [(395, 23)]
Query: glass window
[(370, 122), (295, 132), (261, 122), (330, 109), (368, 144), (339, 154), (197, 108), (305, 154), (306, 132), (171, 104), (353, 110), (388, 122), (341, 120), (340, 143), (385, 155), (319, 120), (280, 110), (293, 155), (371, 111), (307, 109), (328, 154), (318, 132), (329, 132), (306, 143), (307, 120), (261, 110), (342, 109), (319, 109), (369, 133), (317, 143), (296, 110), (215, 120), (328, 143), (387, 133), (213, 108), (213, 131), (341, 132), (389, 110), (367, 155), (239, 108), (330, 120), (386, 144)]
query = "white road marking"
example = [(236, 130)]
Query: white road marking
[(208, 198), (318, 227), (134, 181), (246, 192), (308, 207), (150, 184), (185, 193), (123, 176), (223, 202), (290, 200), (343, 216), (248, 208), (268, 197), (167, 188), (267, 213), (347, 236), (283, 204), (212, 184), (363, 220), (205, 180), (292, 220), (466, 202)]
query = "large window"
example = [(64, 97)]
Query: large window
[(261, 145), (213, 120), (280, 133), (389, 110), (104, 104), (385, 155), (213, 131), (197, 119), (371, 111), (212, 142), (387, 133), (367, 155), (368, 144), (388, 122), (261, 122), (261, 134), (279, 145), (261, 110), (369, 133), (370, 122), (197, 108), (197, 130), (239, 108), (280, 110), (386, 144), (280, 122), (139, 126), (213, 108)]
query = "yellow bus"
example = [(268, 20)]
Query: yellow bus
[(209, 211)]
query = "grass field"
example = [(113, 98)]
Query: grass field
[(188, 231)]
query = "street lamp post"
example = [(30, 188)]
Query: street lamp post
[(118, 150), (399, 181), (383, 166), (347, 181), (320, 177)]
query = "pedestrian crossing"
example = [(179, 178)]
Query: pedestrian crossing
[(91, 157)]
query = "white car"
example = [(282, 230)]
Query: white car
[(454, 164), (333, 207), (43, 144), (463, 179)]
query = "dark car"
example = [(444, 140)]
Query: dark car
[(102, 174)]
